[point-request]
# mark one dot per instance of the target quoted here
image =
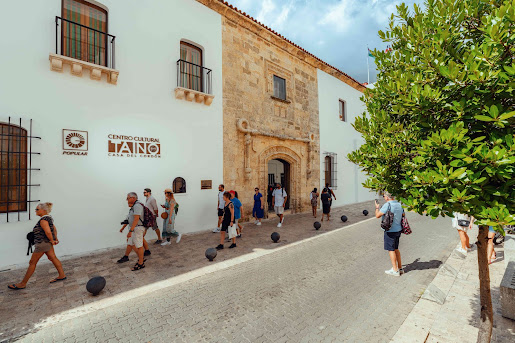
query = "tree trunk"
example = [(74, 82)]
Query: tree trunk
[(487, 315)]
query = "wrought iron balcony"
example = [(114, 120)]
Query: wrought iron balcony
[(194, 82)]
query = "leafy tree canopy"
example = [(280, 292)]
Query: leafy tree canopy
[(439, 133)]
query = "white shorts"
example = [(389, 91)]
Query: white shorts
[(136, 238), (279, 209)]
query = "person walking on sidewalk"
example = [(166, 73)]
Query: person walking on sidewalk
[(238, 208), (171, 209), (326, 203), (279, 198), (313, 197), (136, 231), (463, 223), (392, 236), (257, 210), (331, 193), (227, 220), (45, 237), (220, 207), (151, 204), (490, 252)]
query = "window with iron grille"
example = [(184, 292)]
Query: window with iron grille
[(179, 185), (330, 170), (279, 88), (15, 168), (343, 110), (191, 71)]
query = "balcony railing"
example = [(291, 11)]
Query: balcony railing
[(84, 43), (194, 77)]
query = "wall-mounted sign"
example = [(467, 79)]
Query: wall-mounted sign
[(206, 184), (75, 142), (133, 146)]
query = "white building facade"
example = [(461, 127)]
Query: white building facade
[(339, 105), (111, 110)]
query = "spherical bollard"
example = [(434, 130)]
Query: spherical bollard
[(317, 225), (96, 285), (275, 236), (343, 218), (365, 212), (211, 254)]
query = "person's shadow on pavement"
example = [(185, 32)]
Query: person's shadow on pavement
[(417, 265)]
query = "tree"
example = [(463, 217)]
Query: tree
[(439, 132)]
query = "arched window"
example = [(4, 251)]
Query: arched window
[(84, 31), (330, 170), (13, 168), (191, 67), (179, 185)]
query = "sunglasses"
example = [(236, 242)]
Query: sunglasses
[(168, 192)]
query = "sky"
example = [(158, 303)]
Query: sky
[(336, 31)]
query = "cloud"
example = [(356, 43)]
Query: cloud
[(336, 31)]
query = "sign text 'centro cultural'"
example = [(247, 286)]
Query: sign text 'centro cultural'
[(133, 146)]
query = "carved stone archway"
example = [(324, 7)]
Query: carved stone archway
[(290, 156)]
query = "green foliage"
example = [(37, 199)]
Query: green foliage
[(439, 132)]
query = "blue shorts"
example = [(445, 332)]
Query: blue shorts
[(391, 240)]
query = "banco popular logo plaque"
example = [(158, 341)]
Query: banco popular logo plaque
[(75, 142), (133, 146)]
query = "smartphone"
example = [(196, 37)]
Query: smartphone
[(377, 202)]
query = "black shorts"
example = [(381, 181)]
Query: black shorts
[(225, 227), (326, 208), (391, 240), (220, 212)]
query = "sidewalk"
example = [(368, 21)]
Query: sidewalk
[(24, 311), (448, 310)]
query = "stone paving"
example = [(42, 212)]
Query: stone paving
[(328, 289), (457, 319)]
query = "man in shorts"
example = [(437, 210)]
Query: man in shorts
[(136, 231), (220, 207), (279, 198), (151, 204)]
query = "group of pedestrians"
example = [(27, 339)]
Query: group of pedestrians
[(326, 199), (463, 223), (138, 224)]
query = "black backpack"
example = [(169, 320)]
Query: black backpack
[(30, 238), (387, 221)]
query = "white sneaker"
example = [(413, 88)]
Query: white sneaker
[(279, 225), (165, 243), (461, 250), (258, 224), (178, 238), (216, 229), (392, 272)]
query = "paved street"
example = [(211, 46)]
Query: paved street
[(328, 289)]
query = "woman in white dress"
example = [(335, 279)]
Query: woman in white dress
[(463, 223)]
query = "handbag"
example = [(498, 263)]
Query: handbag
[(406, 229), (463, 222), (164, 215), (387, 221), (232, 231)]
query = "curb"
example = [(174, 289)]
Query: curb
[(173, 281)]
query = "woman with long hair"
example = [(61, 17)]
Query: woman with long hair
[(45, 237), (170, 207)]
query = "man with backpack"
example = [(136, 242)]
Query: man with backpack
[(392, 213), (279, 198), (138, 219)]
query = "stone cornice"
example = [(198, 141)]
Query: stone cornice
[(241, 18)]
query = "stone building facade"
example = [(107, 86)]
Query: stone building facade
[(259, 127)]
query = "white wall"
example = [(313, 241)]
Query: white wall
[(89, 192), (340, 137)]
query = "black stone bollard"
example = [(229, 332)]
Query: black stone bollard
[(211, 254), (317, 225), (275, 236), (96, 285), (365, 212), (343, 218)]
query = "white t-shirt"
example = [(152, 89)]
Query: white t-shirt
[(279, 195), (221, 201)]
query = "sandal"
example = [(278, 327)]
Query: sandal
[(138, 266), (57, 279), (14, 287)]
